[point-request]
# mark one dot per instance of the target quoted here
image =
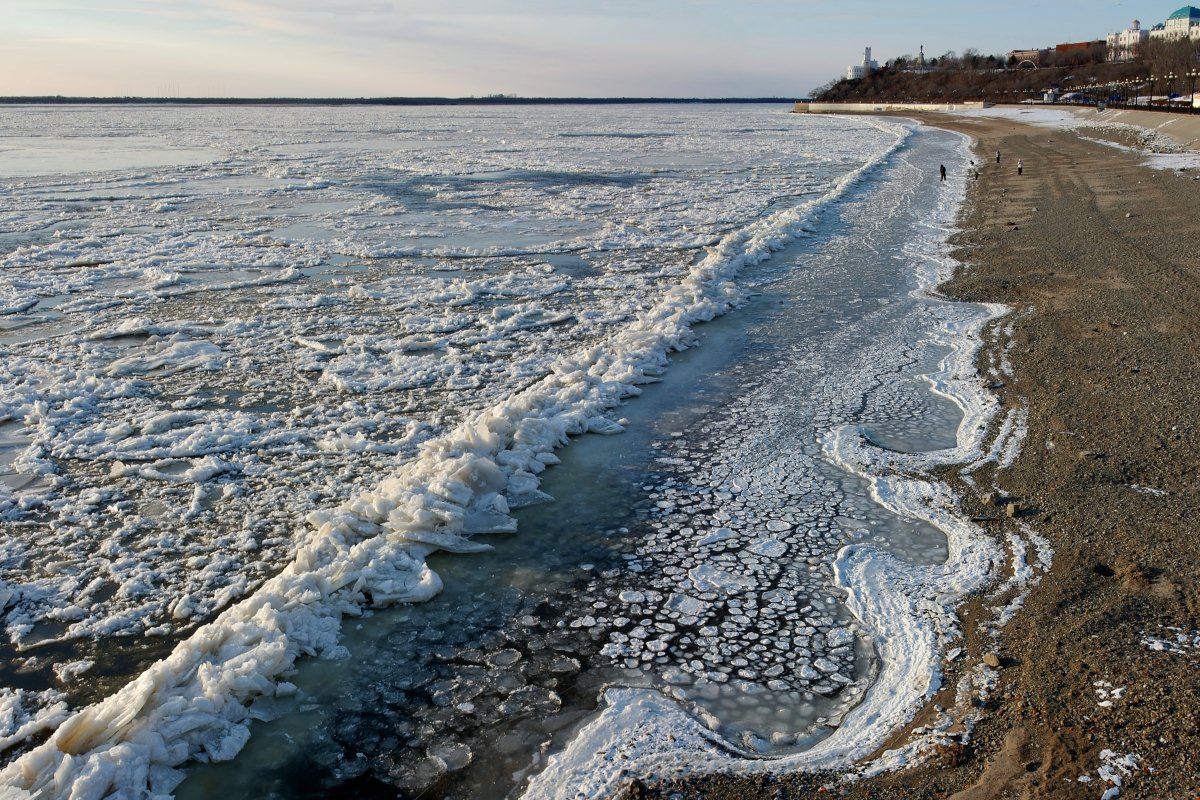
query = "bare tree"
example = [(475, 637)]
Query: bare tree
[(1171, 58)]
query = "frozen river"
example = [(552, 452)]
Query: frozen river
[(279, 392)]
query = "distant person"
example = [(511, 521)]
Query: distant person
[(1020, 166), (943, 168), (976, 174), (997, 156)]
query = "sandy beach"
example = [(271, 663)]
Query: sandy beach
[(1098, 675)]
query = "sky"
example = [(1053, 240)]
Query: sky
[(531, 48)]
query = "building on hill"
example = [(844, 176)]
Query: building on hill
[(1078, 52), (857, 71), (1076, 47), (1183, 24), (1126, 45), (1027, 57)]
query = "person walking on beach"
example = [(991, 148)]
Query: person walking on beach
[(943, 168), (1020, 166), (997, 156)]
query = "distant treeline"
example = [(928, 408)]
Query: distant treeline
[(491, 100)]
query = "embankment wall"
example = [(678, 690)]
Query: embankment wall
[(874, 108)]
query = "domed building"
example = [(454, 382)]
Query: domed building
[(1127, 44), (1183, 24)]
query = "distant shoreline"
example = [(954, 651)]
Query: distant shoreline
[(493, 100)]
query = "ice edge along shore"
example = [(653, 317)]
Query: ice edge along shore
[(909, 610)]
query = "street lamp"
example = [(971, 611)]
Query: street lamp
[(1193, 73), (1150, 97), (1170, 78)]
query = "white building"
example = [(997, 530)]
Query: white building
[(1183, 24), (1126, 45), (856, 71)]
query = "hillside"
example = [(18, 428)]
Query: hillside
[(971, 77), (999, 86)]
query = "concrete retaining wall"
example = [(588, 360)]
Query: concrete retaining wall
[(874, 108)]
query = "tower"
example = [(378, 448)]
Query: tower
[(856, 71)]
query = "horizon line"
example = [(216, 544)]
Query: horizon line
[(57, 99)]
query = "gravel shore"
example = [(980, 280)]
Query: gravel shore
[(1099, 673)]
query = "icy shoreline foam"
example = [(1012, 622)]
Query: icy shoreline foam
[(908, 608), (197, 703)]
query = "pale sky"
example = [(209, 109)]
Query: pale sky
[(601, 48)]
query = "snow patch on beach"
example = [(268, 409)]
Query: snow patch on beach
[(1114, 769), (1157, 148), (1027, 572), (1108, 695), (1174, 640), (1006, 445)]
